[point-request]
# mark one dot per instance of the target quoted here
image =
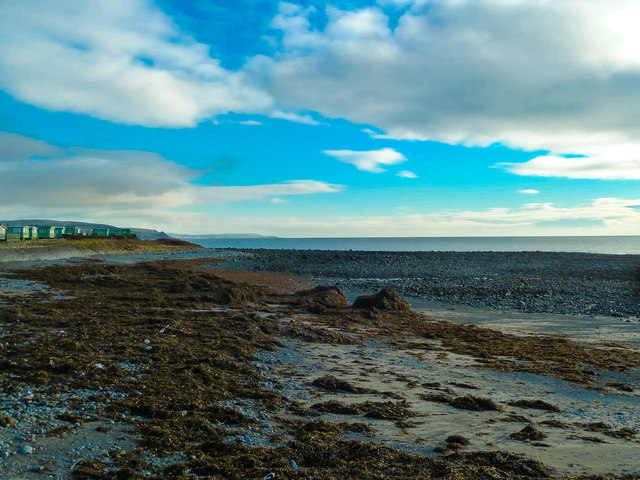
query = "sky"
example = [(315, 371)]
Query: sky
[(323, 118)]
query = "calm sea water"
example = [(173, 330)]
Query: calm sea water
[(614, 245)]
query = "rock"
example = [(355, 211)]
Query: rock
[(528, 433), (26, 449), (7, 422), (320, 298), (385, 299)]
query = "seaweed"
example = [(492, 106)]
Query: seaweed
[(535, 404), (333, 384)]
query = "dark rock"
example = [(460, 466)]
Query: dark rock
[(385, 299), (528, 433)]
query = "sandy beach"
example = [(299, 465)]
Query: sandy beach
[(172, 369)]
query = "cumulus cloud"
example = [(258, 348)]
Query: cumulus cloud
[(118, 60), (529, 191), (607, 166), (86, 181), (406, 174), (370, 160), (543, 75)]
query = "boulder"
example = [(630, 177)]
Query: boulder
[(385, 299)]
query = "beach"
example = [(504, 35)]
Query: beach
[(245, 363)]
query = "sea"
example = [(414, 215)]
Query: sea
[(618, 245)]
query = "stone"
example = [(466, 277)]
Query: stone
[(26, 449)]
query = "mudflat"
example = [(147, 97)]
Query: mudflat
[(166, 369)]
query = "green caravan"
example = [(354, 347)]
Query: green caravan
[(46, 231), (100, 232), (16, 233)]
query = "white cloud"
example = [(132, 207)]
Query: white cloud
[(294, 117), (406, 174), (118, 60), (368, 161), (537, 75), (90, 182), (529, 191), (250, 122), (206, 195), (279, 200), (608, 166)]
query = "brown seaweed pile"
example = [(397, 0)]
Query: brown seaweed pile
[(177, 342)]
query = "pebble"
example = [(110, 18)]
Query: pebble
[(26, 449)]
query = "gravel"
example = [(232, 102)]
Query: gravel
[(540, 282)]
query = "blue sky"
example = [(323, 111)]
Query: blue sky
[(321, 118)]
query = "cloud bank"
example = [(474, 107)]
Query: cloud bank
[(110, 182), (534, 75), (538, 75)]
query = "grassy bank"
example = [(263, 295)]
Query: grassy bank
[(49, 249)]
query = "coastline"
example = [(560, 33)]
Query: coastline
[(183, 372)]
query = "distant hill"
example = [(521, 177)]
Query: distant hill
[(142, 233), (221, 235)]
